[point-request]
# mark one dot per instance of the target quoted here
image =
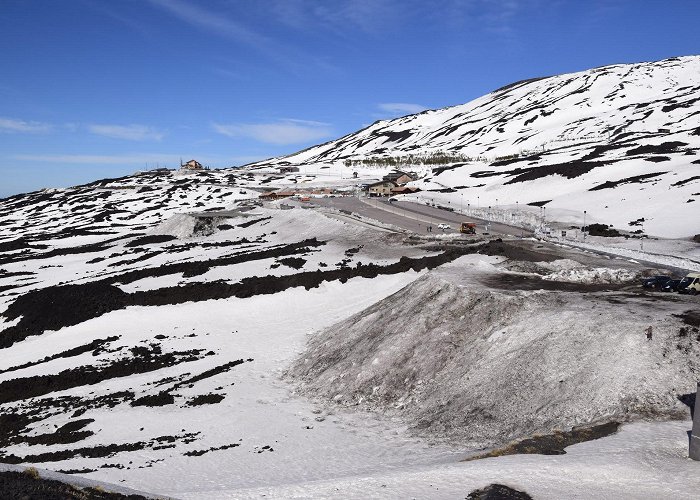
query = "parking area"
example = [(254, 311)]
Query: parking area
[(415, 217)]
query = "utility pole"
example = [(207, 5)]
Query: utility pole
[(694, 448)]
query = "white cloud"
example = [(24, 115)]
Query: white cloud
[(382, 16), (127, 132), (94, 159), (401, 108), (288, 131), (225, 20), (368, 15), (211, 21), (308, 123), (12, 125), (339, 16), (138, 160)]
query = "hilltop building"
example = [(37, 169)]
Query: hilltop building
[(191, 165)]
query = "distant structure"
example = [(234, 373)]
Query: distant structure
[(285, 170), (694, 451), (404, 190), (191, 165), (400, 177), (381, 188), (154, 171)]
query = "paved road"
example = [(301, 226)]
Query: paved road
[(416, 217), (413, 216), (452, 218), (357, 207)]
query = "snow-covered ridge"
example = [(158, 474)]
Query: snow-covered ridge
[(621, 142), (590, 106)]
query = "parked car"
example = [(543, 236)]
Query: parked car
[(655, 282), (671, 286), (690, 284), (443, 226)]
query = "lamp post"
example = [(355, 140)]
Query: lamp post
[(544, 220), (461, 202), (584, 226)]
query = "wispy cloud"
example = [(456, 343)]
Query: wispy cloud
[(113, 11), (138, 160), (231, 75), (343, 17), (221, 22), (211, 21), (127, 132), (288, 131), (499, 16), (493, 16), (401, 108), (382, 16), (368, 15), (11, 125), (94, 159)]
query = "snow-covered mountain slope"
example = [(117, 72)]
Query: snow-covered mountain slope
[(140, 341), (621, 142), (145, 323)]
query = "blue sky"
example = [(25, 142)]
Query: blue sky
[(99, 88)]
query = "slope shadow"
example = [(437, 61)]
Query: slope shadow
[(689, 401)]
